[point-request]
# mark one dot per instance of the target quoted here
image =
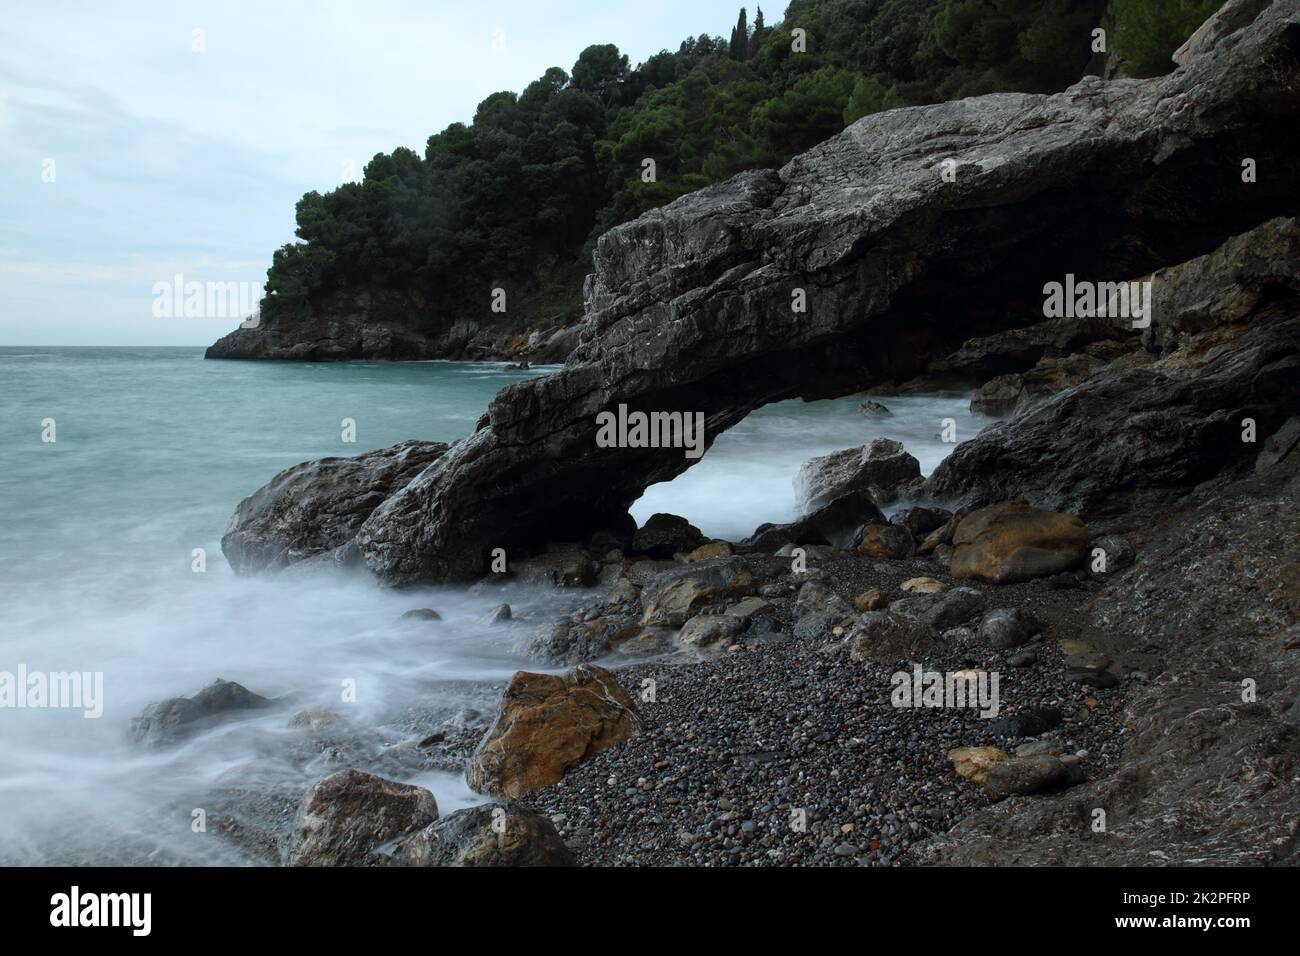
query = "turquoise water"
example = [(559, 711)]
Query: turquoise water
[(153, 450)]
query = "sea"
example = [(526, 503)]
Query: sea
[(119, 471)]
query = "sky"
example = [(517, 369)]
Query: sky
[(144, 141)]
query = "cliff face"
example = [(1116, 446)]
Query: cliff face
[(692, 307), (1180, 454), (407, 325), (867, 259)]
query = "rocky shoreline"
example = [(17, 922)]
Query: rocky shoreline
[(1120, 553)]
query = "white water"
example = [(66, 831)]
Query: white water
[(154, 449)]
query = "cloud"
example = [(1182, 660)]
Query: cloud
[(168, 160)]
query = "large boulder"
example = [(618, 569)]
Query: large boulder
[(345, 817), (675, 596), (176, 718), (314, 508), (1135, 438), (1013, 542), (832, 524), (491, 834), (547, 724), (1017, 391), (940, 610), (880, 467), (664, 535), (1225, 286), (885, 637), (689, 307)]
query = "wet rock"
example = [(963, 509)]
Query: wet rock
[(664, 535), (178, 717), (548, 724), (833, 524), (885, 637), (873, 409), (648, 642), (1007, 627), (706, 630), (421, 614), (921, 521), (498, 615), (884, 542), (1022, 775), (561, 566), (941, 610), (345, 817), (884, 465), (1012, 393), (585, 636), (1013, 542), (316, 507), (494, 834), (312, 719), (974, 763), (675, 596)]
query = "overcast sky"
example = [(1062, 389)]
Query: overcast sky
[(168, 161)]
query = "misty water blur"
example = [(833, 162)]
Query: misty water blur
[(154, 449)]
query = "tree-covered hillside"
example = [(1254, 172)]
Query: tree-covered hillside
[(514, 198)]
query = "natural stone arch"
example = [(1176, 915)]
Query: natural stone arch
[(688, 309)]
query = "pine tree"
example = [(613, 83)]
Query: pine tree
[(739, 49), (756, 38)]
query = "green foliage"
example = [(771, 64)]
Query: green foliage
[(805, 114), (1147, 32), (870, 96), (517, 196)]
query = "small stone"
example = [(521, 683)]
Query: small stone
[(714, 549), (1091, 677), (1023, 658), (872, 599), (923, 585)]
